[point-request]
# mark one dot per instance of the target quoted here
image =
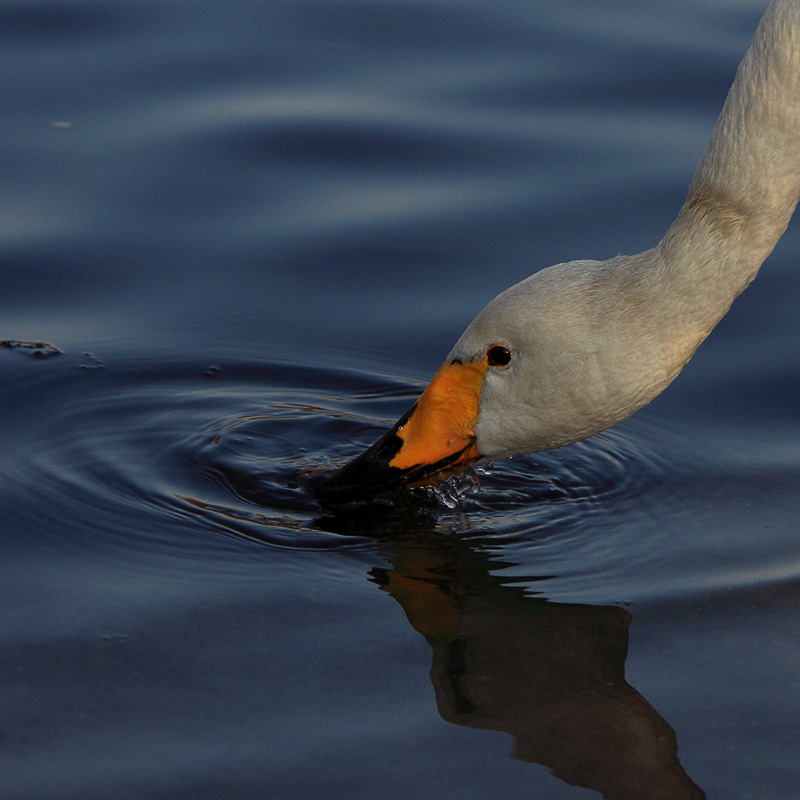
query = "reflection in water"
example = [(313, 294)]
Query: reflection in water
[(551, 675)]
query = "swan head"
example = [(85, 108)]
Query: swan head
[(548, 362)]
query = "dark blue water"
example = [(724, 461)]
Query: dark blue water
[(236, 240)]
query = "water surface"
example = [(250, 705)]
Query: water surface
[(237, 239)]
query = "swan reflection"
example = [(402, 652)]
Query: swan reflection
[(551, 675)]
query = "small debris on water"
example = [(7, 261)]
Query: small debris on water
[(94, 363), (32, 349)]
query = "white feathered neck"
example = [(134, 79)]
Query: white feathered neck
[(595, 341)]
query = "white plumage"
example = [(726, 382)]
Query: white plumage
[(591, 342)]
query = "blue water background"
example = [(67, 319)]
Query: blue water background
[(253, 230)]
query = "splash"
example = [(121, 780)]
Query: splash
[(451, 490)]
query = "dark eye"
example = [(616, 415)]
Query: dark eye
[(498, 355)]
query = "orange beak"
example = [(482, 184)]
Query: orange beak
[(436, 434)]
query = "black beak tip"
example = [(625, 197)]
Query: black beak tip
[(345, 486), (363, 478)]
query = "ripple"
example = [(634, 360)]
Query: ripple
[(159, 456), (156, 456)]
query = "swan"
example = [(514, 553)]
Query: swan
[(580, 346)]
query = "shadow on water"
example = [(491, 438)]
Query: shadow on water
[(551, 675)]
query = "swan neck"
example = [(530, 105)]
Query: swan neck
[(747, 183)]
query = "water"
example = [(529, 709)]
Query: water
[(237, 239)]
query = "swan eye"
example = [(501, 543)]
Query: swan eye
[(498, 355)]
